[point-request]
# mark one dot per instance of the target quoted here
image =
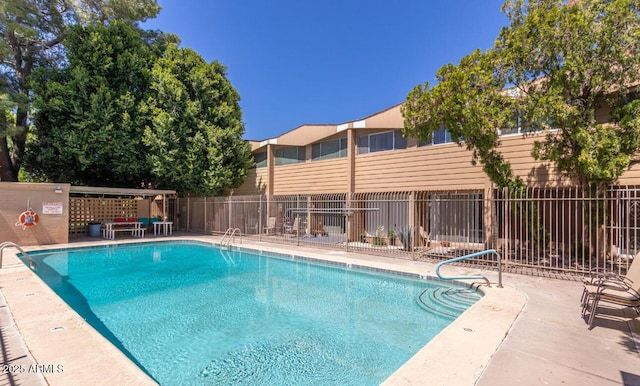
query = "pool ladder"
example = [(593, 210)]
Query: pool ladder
[(9, 244), (230, 236)]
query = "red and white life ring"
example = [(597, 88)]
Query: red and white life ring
[(27, 219)]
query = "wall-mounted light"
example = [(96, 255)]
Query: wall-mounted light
[(58, 189)]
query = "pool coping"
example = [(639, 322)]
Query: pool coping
[(56, 335)]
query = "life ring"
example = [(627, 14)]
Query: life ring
[(27, 219)]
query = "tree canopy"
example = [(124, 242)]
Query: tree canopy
[(194, 137), (551, 69), (132, 109), (88, 119), (32, 32)]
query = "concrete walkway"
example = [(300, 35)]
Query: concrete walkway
[(17, 363), (551, 344), (529, 333)]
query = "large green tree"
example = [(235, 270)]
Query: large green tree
[(88, 117), (552, 68), (194, 138), (32, 32), (133, 109)]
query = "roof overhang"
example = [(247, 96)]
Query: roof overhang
[(101, 191)]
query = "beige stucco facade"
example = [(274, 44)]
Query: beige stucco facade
[(49, 201)]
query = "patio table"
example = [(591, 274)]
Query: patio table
[(165, 227), (135, 227)]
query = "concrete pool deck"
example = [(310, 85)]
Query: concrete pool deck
[(530, 332)]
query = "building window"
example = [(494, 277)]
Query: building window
[(261, 159), (439, 136), (388, 140), (519, 125), (335, 148), (290, 155), (512, 126)]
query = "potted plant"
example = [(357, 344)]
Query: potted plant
[(392, 237), (405, 238)]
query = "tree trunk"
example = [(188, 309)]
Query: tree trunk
[(7, 172), (19, 140)]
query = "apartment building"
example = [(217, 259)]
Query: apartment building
[(368, 163), (370, 155)]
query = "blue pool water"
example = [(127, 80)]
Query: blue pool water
[(189, 313)]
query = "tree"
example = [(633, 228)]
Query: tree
[(194, 138), (563, 61), (89, 121), (131, 109), (32, 31), (468, 101)]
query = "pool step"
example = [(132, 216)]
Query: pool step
[(448, 302)]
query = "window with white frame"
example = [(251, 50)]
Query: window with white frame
[(439, 136), (290, 155), (519, 125), (334, 148), (388, 140), (512, 126)]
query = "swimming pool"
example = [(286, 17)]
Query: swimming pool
[(188, 313)]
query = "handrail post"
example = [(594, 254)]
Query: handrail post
[(32, 263), (230, 236), (499, 270), (476, 254)]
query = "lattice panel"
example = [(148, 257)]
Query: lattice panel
[(82, 210)]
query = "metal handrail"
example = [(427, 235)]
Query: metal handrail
[(469, 256), (226, 234), (32, 263), (230, 234)]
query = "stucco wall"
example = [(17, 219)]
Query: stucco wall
[(17, 197)]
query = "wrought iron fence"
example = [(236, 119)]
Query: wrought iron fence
[(562, 230)]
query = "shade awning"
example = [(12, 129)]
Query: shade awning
[(102, 191)]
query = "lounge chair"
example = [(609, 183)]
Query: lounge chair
[(295, 228), (252, 227), (612, 288), (270, 229)]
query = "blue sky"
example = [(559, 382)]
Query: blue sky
[(327, 61)]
